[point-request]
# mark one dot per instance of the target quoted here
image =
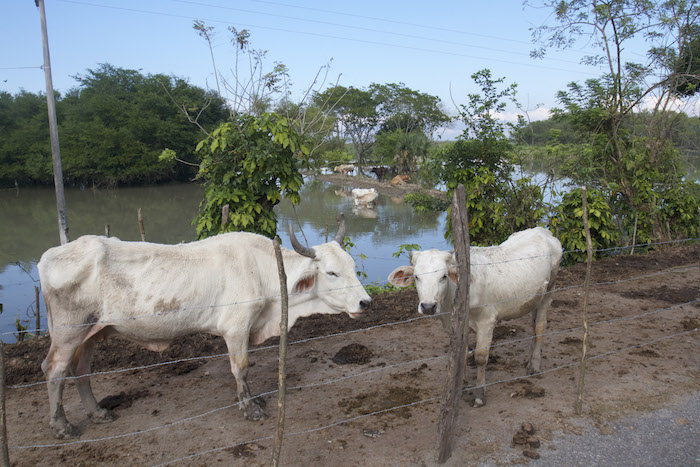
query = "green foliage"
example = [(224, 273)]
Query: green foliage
[(401, 108), (356, 110), (376, 288), (332, 158), (405, 248), (112, 128), (633, 164), (495, 209), (422, 202), (679, 210), (249, 164), (348, 245), (568, 224)]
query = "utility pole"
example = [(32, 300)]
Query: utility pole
[(53, 131)]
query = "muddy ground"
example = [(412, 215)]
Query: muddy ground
[(170, 412)]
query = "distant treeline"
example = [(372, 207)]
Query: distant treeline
[(684, 134), (112, 128)]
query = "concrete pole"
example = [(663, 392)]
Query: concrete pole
[(53, 131)]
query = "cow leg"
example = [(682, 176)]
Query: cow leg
[(484, 335), (539, 324), (55, 367), (81, 369), (238, 355)]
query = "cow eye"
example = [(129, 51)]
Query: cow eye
[(332, 274), (443, 277)]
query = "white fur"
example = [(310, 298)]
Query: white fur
[(506, 282), (227, 285)]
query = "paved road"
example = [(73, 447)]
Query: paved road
[(666, 437)]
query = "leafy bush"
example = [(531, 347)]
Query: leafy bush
[(425, 203), (568, 225), (679, 210), (249, 164)]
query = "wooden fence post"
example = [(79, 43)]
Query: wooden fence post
[(141, 228), (587, 286), (38, 310), (460, 320), (282, 378), (4, 452), (225, 213), (107, 230)]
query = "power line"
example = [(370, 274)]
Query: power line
[(402, 23), (328, 36), (362, 28)]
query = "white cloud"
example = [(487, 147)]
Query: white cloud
[(541, 113), (690, 107)]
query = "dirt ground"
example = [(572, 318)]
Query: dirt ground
[(173, 411)]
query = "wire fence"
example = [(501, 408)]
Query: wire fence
[(383, 325), (277, 296), (374, 370)]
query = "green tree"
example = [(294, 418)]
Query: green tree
[(248, 164), (401, 108), (355, 111), (25, 152), (480, 159), (112, 127), (626, 166), (251, 161)]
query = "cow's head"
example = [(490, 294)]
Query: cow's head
[(331, 275), (434, 272)]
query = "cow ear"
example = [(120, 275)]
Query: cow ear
[(452, 274), (304, 284), (401, 277)]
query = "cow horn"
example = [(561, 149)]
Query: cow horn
[(298, 247), (340, 236)]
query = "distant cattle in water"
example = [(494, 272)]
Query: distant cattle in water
[(345, 169), (380, 172), (366, 197), (226, 285), (505, 282), (400, 180)]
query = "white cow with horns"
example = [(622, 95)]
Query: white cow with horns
[(506, 282), (227, 285)]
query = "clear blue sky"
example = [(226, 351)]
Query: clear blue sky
[(432, 47)]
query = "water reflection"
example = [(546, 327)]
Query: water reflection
[(30, 227)]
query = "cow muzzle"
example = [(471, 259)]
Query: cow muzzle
[(364, 306), (428, 308)]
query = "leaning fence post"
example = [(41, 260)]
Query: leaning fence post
[(282, 378), (4, 452), (38, 310), (141, 228), (460, 319), (587, 286)]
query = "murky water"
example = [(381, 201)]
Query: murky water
[(29, 227)]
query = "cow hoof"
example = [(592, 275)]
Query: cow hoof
[(102, 415), (531, 370), (67, 432), (254, 412), (479, 398)]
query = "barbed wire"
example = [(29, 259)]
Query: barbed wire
[(431, 399), (437, 315), (209, 412), (278, 296), (371, 371), (335, 380)]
